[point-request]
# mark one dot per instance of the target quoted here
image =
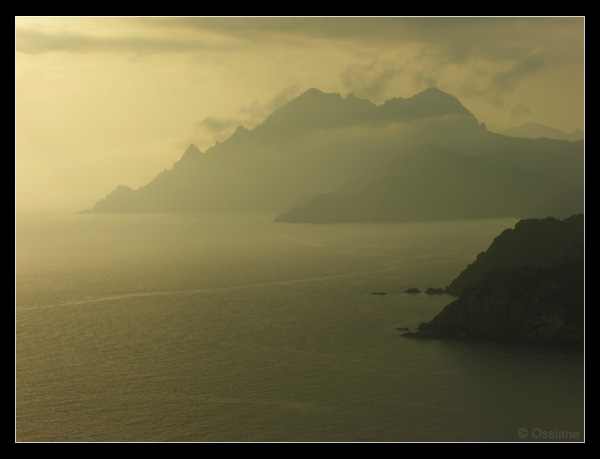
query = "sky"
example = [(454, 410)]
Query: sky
[(108, 101)]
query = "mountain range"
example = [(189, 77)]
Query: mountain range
[(325, 158), (533, 130), (429, 182)]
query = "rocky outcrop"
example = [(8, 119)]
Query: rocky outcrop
[(528, 287), (532, 242)]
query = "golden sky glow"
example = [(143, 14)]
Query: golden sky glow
[(106, 101)]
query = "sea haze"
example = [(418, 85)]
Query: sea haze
[(234, 328)]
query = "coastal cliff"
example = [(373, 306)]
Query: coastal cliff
[(527, 287)]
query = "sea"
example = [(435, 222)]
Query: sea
[(231, 328)]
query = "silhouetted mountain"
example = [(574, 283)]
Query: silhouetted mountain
[(429, 182), (315, 144), (316, 110), (431, 102), (528, 286), (535, 131)]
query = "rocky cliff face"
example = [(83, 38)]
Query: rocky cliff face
[(532, 242), (528, 286)]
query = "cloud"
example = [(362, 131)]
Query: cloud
[(507, 80), (261, 29), (370, 80), (459, 38), (258, 111), (35, 41), (519, 111), (217, 126), (502, 83), (212, 128)]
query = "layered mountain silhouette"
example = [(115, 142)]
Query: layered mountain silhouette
[(429, 182), (322, 157), (533, 130)]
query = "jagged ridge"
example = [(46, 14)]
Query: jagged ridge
[(316, 143)]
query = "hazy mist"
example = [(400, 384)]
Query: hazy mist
[(108, 101), (299, 229)]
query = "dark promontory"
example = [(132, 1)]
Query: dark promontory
[(527, 287)]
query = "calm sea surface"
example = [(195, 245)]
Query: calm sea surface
[(171, 328)]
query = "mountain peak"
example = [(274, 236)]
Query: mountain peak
[(315, 95), (192, 149), (430, 102), (312, 91), (315, 109), (191, 152), (433, 90)]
